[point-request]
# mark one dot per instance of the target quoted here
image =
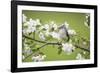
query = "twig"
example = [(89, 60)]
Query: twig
[(34, 34), (36, 50), (82, 48), (42, 46), (49, 43), (27, 57)]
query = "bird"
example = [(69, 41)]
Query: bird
[(63, 31)]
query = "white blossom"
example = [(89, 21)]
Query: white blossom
[(84, 52), (86, 24), (87, 20), (24, 18), (32, 23), (71, 32), (31, 26), (27, 50), (47, 33), (41, 36), (23, 57), (87, 15), (68, 48), (25, 24), (66, 24), (38, 58), (52, 22), (84, 43), (24, 31), (26, 46), (55, 35), (64, 29), (53, 25), (79, 57), (29, 30), (46, 26), (38, 22)]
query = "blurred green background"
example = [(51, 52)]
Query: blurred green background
[(75, 21)]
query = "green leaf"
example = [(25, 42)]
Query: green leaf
[(59, 50)]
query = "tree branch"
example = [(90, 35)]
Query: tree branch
[(51, 43), (82, 48), (55, 43), (36, 50)]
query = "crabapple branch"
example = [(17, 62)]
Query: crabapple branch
[(82, 48), (54, 43), (51, 43), (36, 50)]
